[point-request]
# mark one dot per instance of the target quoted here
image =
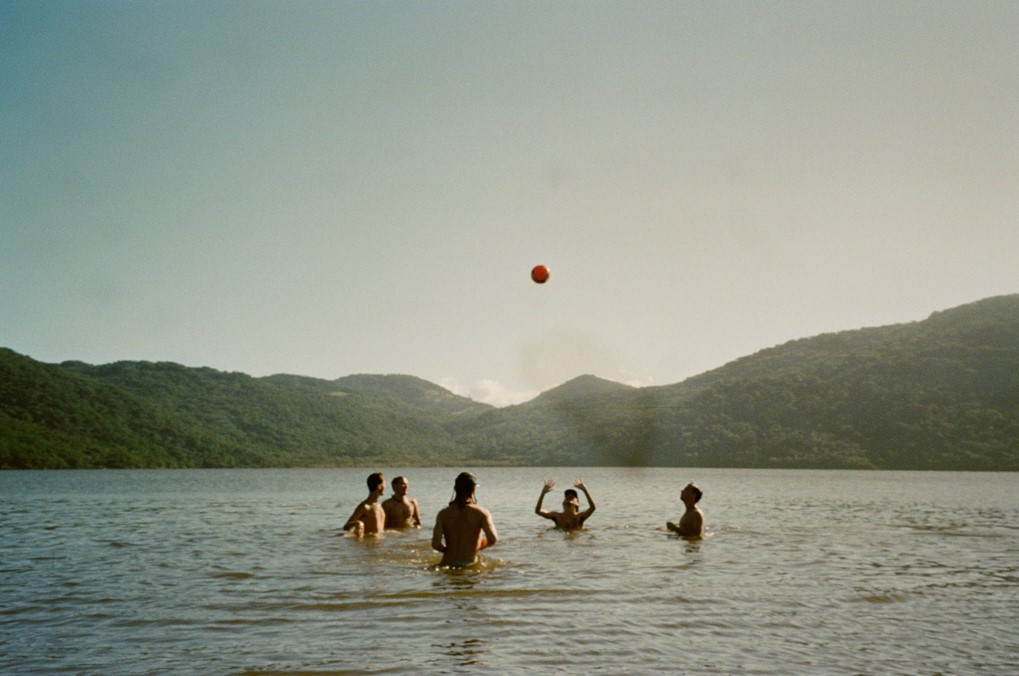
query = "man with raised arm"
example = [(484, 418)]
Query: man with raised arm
[(571, 518), (691, 524), (401, 511), (369, 518), (463, 528)]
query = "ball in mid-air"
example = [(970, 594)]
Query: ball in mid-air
[(540, 274)]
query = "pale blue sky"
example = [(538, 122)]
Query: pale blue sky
[(328, 188)]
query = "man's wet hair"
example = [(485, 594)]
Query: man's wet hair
[(570, 493), (697, 493), (396, 480), (375, 479), (464, 487)]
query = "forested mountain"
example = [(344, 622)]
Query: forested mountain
[(53, 418), (938, 394)]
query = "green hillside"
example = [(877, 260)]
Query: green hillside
[(942, 393), (938, 394), (295, 421), (53, 418)]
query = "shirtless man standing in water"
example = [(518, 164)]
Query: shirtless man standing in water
[(369, 518), (571, 518), (691, 524), (458, 527), (401, 511)]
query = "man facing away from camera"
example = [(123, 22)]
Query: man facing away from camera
[(463, 528)]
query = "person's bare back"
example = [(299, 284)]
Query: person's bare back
[(463, 528), (461, 532)]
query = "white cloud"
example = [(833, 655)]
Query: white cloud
[(453, 385), (489, 392), (646, 381), (496, 394)]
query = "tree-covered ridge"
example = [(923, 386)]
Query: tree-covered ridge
[(938, 394), (288, 420), (50, 418)]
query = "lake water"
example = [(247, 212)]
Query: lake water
[(242, 571)]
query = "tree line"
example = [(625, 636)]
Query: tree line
[(942, 394)]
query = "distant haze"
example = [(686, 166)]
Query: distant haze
[(327, 189)]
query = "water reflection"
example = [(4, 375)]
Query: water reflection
[(456, 579), (465, 653), (464, 609)]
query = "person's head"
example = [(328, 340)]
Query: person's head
[(376, 482), (464, 487), (400, 486), (571, 499), (691, 494)]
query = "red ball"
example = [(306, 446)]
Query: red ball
[(540, 274)]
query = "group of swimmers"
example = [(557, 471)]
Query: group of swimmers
[(463, 528)]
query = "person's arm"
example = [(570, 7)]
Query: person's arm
[(416, 516), (590, 503), (355, 518), (537, 508), (437, 535), (488, 526)]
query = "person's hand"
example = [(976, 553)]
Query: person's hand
[(548, 486), (579, 483)]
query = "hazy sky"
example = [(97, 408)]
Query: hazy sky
[(329, 188)]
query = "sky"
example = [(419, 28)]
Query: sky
[(336, 188)]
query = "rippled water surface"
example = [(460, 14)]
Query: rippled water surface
[(242, 571)]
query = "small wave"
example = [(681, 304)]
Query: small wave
[(890, 597), (354, 606), (250, 622), (301, 672), (949, 531), (488, 593), (159, 622), (234, 575)]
